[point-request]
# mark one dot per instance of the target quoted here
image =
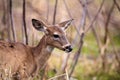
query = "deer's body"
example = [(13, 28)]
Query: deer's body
[(15, 56), (25, 61)]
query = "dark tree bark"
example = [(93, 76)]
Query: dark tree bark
[(24, 22)]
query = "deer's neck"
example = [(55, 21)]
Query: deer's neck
[(42, 51)]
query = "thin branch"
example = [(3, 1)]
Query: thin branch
[(24, 21), (94, 19), (106, 39), (57, 76), (33, 8), (71, 17), (12, 24), (64, 65), (47, 16), (64, 62), (67, 74), (92, 26), (117, 4), (77, 54), (55, 10), (107, 22), (81, 22)]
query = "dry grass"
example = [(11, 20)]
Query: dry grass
[(61, 76), (5, 74)]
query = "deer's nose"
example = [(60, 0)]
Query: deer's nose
[(68, 48)]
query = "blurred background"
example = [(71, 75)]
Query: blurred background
[(94, 35)]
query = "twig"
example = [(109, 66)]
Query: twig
[(12, 24), (71, 17), (33, 8), (117, 5), (89, 27), (78, 33), (107, 22), (55, 10), (64, 62), (5, 19), (57, 76), (92, 26), (67, 74), (105, 43), (77, 54), (47, 16), (24, 21)]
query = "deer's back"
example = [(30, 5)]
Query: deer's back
[(16, 56)]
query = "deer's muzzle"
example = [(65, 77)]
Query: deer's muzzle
[(68, 48)]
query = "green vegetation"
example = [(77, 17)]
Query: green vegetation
[(116, 39), (90, 46)]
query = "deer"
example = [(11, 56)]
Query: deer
[(25, 61)]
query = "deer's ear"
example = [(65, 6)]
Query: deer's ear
[(64, 25), (39, 25)]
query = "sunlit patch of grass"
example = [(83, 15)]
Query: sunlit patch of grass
[(88, 72), (107, 76), (74, 49), (51, 73), (90, 46), (115, 44), (79, 72), (116, 39)]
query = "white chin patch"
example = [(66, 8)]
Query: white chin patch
[(49, 48), (67, 50)]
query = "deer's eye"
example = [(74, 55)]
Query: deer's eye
[(56, 36)]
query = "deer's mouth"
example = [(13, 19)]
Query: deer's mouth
[(68, 49)]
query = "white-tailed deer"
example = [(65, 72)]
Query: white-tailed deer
[(24, 61)]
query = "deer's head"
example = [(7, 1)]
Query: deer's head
[(55, 34)]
